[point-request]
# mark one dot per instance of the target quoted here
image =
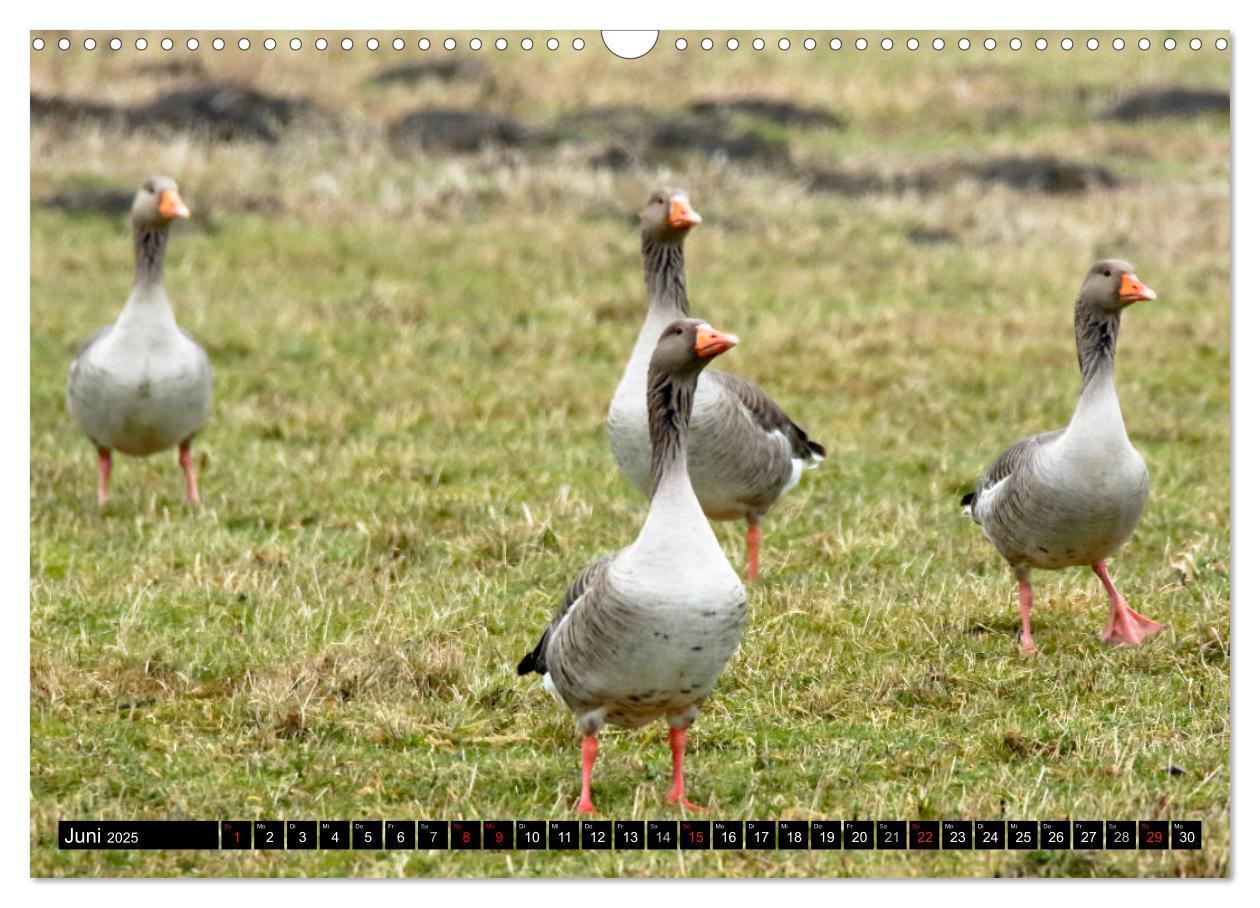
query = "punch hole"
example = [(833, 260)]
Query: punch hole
[(141, 44), (631, 45), (115, 43), (1144, 44), (89, 44), (396, 44), (1195, 44), (321, 44), (964, 43), (1016, 44), (680, 44), (912, 43), (860, 44), (527, 44), (1092, 44), (500, 44), (809, 44), (449, 44), (372, 44), (243, 44), (1041, 44), (784, 44), (64, 43), (886, 44), (835, 44), (347, 44), (217, 44), (296, 44), (553, 44), (759, 44), (1221, 44), (1066, 44), (167, 44), (38, 44), (989, 44), (475, 43), (938, 44), (578, 43), (1118, 43), (424, 44), (732, 44), (269, 43), (706, 44), (1170, 44), (193, 44)]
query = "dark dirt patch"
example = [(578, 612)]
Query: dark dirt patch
[(217, 112), (1170, 102), (785, 113), (855, 183), (614, 157), (715, 137), (221, 112), (448, 129), (453, 70), (173, 68), (930, 236), (1045, 174), (109, 202)]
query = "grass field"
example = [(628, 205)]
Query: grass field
[(406, 460)]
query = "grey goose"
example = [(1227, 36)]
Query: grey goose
[(142, 384), (743, 450), (1071, 497), (644, 633)]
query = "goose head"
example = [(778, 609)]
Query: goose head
[(1111, 285), (157, 203), (687, 346), (668, 216)]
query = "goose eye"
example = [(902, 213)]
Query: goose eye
[(1107, 273)]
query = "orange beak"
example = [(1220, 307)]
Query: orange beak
[(710, 342), (681, 214), (1132, 290), (171, 206)]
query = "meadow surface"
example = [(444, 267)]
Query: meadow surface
[(406, 461)]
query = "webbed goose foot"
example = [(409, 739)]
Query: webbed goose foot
[(187, 464), (1125, 627)]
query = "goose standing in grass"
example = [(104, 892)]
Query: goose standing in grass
[(142, 384), (1072, 496), (743, 450), (644, 633)]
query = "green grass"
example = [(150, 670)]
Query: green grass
[(406, 464)]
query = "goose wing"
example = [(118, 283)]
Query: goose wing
[(1010, 462), (769, 415), (591, 578)]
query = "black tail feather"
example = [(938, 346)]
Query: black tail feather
[(968, 498), (535, 660)]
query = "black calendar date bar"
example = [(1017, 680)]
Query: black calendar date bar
[(632, 835), (84, 835)]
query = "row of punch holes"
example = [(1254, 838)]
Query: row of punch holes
[(578, 44)]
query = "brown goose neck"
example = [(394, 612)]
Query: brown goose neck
[(150, 245), (1096, 335), (669, 412), (666, 276)]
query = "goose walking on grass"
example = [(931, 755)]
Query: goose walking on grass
[(1073, 496), (743, 450), (142, 384), (644, 633)]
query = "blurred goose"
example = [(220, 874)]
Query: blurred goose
[(142, 384), (645, 633), (743, 450), (1073, 496)]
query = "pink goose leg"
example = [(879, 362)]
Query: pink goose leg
[(1026, 645), (104, 466), (678, 745), (1125, 627), (190, 471), (754, 550), (590, 750)]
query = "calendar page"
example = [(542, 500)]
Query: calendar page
[(576, 454)]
